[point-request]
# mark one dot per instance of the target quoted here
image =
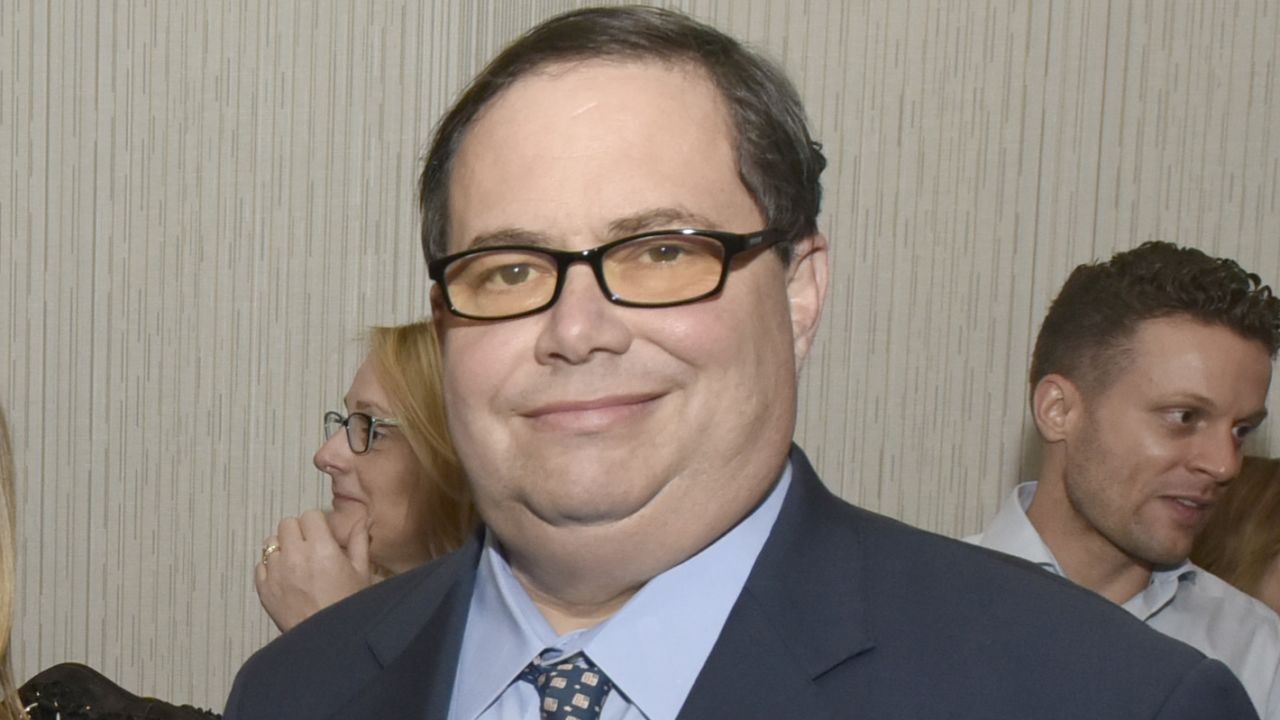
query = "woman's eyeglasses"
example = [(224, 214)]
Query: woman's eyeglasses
[(362, 428)]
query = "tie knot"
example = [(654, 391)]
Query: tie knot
[(572, 687)]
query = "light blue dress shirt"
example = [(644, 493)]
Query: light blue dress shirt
[(652, 649), (1185, 602)]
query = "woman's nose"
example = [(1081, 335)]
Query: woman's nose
[(333, 455)]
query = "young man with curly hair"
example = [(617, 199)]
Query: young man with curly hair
[(1149, 372)]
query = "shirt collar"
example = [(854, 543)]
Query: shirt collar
[(1012, 531), (1160, 590), (505, 630)]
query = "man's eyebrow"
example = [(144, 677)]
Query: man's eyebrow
[(1190, 401), (664, 218), (1253, 418), (1256, 418), (509, 236)]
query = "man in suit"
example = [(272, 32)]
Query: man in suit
[(620, 214), (1149, 371)]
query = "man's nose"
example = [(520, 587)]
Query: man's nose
[(1219, 455), (582, 322)]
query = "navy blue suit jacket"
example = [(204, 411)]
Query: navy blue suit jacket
[(846, 614)]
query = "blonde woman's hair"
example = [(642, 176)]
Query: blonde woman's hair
[(1243, 534), (10, 708), (406, 359)]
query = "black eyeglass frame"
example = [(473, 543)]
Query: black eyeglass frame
[(734, 244), (338, 418)]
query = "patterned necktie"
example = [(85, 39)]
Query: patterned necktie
[(571, 689)]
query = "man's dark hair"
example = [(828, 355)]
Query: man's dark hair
[(777, 160), (1086, 335)]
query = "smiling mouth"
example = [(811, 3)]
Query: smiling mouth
[(1191, 511), (595, 415)]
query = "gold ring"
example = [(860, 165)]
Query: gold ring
[(266, 552)]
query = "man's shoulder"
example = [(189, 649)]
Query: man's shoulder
[(320, 663), (907, 571), (996, 635), (1025, 627), (962, 574), (920, 559)]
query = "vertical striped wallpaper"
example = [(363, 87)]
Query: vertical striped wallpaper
[(203, 203)]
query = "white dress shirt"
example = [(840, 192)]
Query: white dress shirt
[(1186, 602), (652, 649)]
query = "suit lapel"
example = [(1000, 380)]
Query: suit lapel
[(419, 667), (801, 613), (751, 674)]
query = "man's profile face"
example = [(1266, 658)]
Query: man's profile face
[(614, 422), (1155, 447)]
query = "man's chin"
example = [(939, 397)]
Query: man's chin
[(1171, 559), (578, 514), (1170, 556)]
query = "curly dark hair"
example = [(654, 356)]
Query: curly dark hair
[(778, 161), (1085, 337)]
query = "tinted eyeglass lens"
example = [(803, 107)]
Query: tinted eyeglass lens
[(358, 427), (664, 269), (502, 282)]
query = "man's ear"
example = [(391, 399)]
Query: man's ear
[(806, 291), (439, 313), (1056, 406)]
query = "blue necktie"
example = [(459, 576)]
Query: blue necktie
[(571, 688)]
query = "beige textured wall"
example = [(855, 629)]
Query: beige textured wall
[(202, 203)]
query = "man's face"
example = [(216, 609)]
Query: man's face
[(1153, 449), (654, 428)]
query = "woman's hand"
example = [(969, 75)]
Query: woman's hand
[(311, 570)]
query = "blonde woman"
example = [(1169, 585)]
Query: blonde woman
[(1241, 543), (10, 709), (399, 498)]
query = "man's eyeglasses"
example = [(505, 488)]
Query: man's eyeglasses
[(362, 429), (653, 269)]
